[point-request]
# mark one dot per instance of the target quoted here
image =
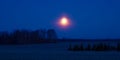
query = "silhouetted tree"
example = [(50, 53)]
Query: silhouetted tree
[(16, 37), (35, 36), (26, 37), (94, 47), (42, 34), (51, 34), (81, 47), (118, 46), (88, 47), (4, 38)]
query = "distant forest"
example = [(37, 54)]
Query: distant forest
[(28, 37)]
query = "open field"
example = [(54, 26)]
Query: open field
[(52, 51)]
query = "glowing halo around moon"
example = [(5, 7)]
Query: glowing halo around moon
[(64, 22)]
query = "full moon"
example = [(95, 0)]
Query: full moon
[(64, 21)]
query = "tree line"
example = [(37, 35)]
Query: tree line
[(95, 47), (28, 37)]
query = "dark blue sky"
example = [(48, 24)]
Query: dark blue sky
[(92, 18)]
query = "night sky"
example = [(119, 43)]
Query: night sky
[(90, 18)]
